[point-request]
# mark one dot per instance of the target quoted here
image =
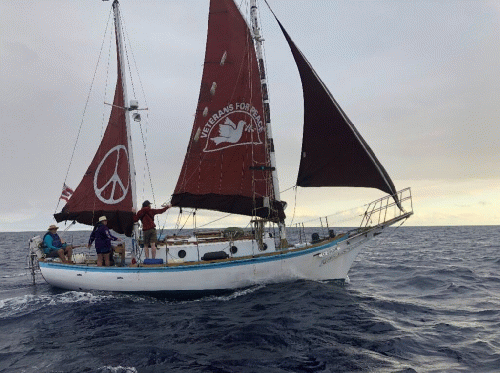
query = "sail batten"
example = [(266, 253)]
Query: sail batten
[(222, 169)]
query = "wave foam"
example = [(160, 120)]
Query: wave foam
[(33, 303), (118, 369)]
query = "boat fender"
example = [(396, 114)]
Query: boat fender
[(215, 255), (36, 246), (233, 249), (315, 237), (153, 261)]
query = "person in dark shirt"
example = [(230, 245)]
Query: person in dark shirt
[(102, 237), (146, 216)]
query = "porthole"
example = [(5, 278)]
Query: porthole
[(264, 247), (181, 254), (233, 249)]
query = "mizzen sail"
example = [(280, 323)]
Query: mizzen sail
[(227, 166), (333, 151), (106, 187)]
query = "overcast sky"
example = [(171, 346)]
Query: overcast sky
[(420, 80)]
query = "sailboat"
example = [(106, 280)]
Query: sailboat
[(230, 166)]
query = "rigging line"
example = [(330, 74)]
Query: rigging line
[(294, 207), (85, 108), (143, 137), (137, 71), (177, 223), (286, 190), (106, 83), (147, 163), (145, 103), (394, 231), (213, 221), (340, 212), (140, 125), (181, 228), (104, 113), (122, 23), (164, 224)]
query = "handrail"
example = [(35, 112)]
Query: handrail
[(376, 213), (377, 208)]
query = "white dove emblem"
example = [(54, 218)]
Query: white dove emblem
[(229, 132)]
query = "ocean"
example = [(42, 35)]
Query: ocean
[(419, 299)]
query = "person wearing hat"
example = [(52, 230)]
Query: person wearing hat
[(55, 247), (102, 237), (146, 216)]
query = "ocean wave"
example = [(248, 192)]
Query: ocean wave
[(118, 369), (234, 295), (14, 275), (428, 302), (32, 303)]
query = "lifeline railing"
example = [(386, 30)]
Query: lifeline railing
[(379, 211)]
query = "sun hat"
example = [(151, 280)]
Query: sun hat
[(102, 218), (53, 226)]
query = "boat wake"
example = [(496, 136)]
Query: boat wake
[(14, 275), (33, 303), (237, 294)]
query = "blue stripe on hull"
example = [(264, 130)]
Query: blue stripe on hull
[(194, 267)]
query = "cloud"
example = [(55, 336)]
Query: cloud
[(416, 79)]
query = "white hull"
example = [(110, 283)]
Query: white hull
[(329, 261)]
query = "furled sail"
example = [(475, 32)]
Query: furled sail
[(106, 187), (333, 151), (227, 166)]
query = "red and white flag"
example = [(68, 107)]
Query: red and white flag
[(66, 192)]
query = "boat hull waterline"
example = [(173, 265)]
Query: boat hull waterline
[(329, 261)]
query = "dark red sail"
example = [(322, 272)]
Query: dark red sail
[(333, 151), (106, 187), (227, 166)]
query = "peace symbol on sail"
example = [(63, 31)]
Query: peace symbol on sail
[(118, 188)]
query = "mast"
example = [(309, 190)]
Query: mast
[(121, 59), (265, 97)]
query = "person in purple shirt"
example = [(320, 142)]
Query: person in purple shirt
[(102, 237)]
